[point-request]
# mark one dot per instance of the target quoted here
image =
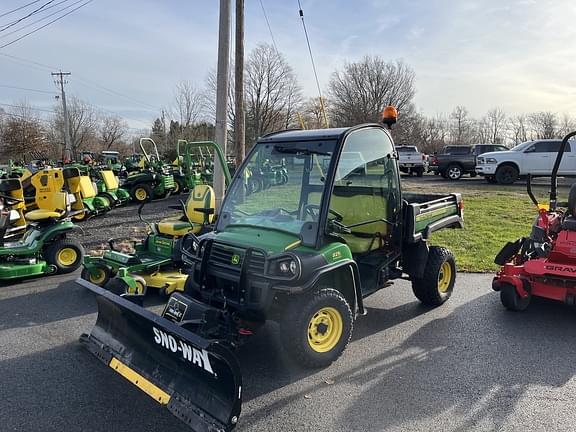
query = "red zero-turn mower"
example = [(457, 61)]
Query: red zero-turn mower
[(544, 264)]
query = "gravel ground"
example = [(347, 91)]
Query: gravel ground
[(123, 223)]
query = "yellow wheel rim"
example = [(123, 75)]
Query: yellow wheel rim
[(139, 287), (444, 277), (176, 187), (80, 216), (67, 257), (325, 329), (140, 194), (98, 276)]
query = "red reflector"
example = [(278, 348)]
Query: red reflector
[(245, 332), (461, 205)]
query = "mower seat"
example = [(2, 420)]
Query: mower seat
[(40, 215), (569, 223), (202, 197)]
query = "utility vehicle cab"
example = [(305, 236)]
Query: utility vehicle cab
[(322, 202)]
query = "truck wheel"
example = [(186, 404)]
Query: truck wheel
[(506, 174), (316, 329), (99, 276), (437, 282), (141, 193), (511, 300), (454, 172), (473, 174), (66, 255), (419, 172)]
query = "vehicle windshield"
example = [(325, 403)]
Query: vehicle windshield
[(522, 147), (280, 186), (407, 149)]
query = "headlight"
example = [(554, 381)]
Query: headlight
[(286, 267), (491, 161), (480, 161)]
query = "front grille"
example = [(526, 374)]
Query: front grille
[(233, 258)]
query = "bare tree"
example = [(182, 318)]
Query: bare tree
[(544, 125), (272, 92), (518, 129), (495, 121), (22, 134), (460, 128), (112, 130), (311, 114), (189, 103), (83, 122), (567, 125), (360, 92)]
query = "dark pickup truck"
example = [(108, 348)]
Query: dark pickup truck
[(457, 160)]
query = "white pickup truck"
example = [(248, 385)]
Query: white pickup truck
[(532, 157), (410, 160)]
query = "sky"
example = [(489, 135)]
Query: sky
[(126, 56)]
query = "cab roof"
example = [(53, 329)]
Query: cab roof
[(311, 134)]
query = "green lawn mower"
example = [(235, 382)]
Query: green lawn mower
[(194, 164), (155, 262), (44, 248), (155, 180), (304, 254)]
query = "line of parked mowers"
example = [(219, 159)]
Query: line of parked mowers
[(307, 267)]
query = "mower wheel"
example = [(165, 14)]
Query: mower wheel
[(178, 187), (99, 276), (437, 282), (511, 300), (141, 192), (119, 286), (316, 329), (65, 254)]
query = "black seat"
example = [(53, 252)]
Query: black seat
[(569, 223)]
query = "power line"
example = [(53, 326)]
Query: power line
[(35, 11), (91, 84), (269, 27), (301, 12), (39, 20), (30, 108), (18, 8), (27, 89), (45, 25), (23, 62)]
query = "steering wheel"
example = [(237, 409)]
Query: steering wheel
[(311, 208)]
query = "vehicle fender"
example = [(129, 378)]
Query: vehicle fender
[(57, 231), (516, 164), (414, 258), (357, 305)]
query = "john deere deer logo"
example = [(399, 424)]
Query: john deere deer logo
[(235, 259)]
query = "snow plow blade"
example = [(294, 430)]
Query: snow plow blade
[(196, 379)]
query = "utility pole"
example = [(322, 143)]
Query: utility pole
[(239, 135), (68, 144), (222, 96)]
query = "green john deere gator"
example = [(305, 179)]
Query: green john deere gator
[(305, 253)]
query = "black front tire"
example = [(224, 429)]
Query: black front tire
[(65, 254), (511, 300), (506, 174), (103, 276), (297, 328), (437, 282)]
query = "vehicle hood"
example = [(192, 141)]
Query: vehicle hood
[(505, 153), (273, 242)]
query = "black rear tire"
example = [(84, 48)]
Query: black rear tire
[(300, 327), (65, 254), (137, 193), (506, 174), (437, 282), (103, 275), (511, 300), (454, 172)]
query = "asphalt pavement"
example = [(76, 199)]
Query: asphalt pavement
[(467, 365)]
